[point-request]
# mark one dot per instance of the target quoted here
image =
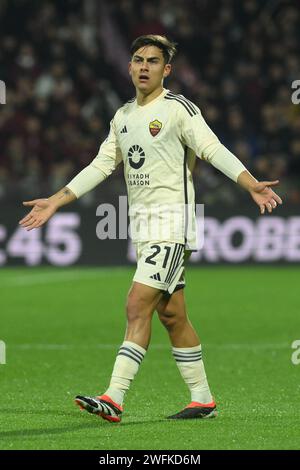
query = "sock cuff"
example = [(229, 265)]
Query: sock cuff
[(187, 350), (130, 344), (187, 354)]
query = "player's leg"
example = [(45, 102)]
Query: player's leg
[(188, 355), (141, 303), (172, 313)]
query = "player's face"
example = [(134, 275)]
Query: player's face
[(148, 69)]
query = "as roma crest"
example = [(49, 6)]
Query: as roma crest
[(155, 127)]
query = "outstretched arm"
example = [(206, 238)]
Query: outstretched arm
[(108, 158), (261, 192), (43, 209), (198, 136), (231, 166)]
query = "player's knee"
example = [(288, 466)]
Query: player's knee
[(169, 319)]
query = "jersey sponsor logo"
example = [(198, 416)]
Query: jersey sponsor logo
[(124, 130), (155, 127), (138, 179), (136, 157)]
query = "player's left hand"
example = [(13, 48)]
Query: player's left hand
[(264, 196)]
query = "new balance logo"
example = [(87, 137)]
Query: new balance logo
[(156, 277), (124, 130)]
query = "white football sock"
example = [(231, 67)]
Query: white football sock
[(191, 367), (127, 363)]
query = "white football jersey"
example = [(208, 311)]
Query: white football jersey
[(158, 143)]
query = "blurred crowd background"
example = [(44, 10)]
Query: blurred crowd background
[(65, 68)]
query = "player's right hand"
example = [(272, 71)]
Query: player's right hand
[(42, 210)]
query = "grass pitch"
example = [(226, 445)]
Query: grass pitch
[(62, 329)]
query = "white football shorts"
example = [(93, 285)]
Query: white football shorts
[(161, 265)]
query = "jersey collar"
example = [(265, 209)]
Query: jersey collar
[(163, 93)]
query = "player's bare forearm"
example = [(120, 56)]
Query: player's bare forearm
[(261, 192), (246, 180), (43, 209), (63, 197)]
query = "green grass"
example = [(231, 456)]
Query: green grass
[(62, 328)]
